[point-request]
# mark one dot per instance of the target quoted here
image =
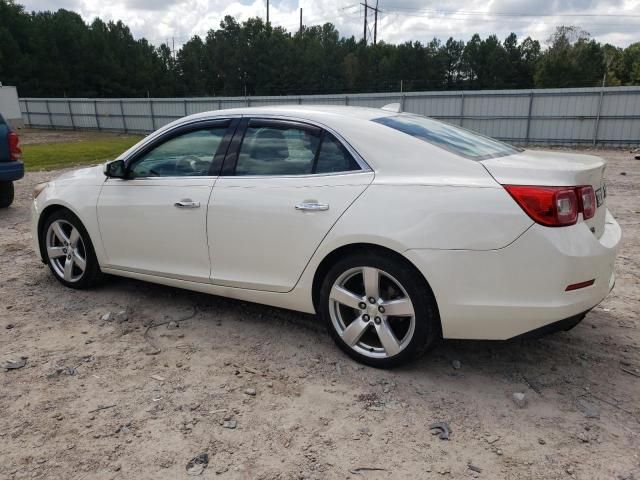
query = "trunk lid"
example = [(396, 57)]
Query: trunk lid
[(554, 169)]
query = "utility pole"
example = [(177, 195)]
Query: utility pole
[(375, 20), (267, 12), (300, 19), (375, 24), (366, 10)]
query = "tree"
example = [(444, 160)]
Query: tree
[(57, 54), (573, 59)]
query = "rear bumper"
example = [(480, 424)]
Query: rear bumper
[(10, 171), (500, 294), (559, 326)]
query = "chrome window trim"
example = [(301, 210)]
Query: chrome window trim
[(305, 175), (160, 133), (183, 177), (364, 166)]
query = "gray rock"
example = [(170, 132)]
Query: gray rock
[(456, 364), (107, 317), (250, 391), (491, 439), (519, 399), (230, 424), (122, 316), (172, 325), (591, 411), (197, 464)]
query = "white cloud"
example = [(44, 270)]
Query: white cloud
[(401, 20)]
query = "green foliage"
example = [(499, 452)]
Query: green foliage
[(56, 54), (90, 149), (572, 60)]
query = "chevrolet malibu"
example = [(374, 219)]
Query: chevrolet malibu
[(395, 229)]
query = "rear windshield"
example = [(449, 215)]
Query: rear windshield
[(444, 135)]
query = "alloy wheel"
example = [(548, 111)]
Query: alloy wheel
[(66, 251), (372, 312)]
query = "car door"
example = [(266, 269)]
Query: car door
[(155, 220), (283, 186)]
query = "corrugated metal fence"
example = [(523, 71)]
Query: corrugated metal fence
[(603, 116)]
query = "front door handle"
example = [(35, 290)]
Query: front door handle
[(187, 203), (312, 206)]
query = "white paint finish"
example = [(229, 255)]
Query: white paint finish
[(426, 216), (556, 169), (546, 168), (494, 272), (257, 237), (499, 294), (81, 200), (142, 229)]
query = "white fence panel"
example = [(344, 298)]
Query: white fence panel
[(602, 116)]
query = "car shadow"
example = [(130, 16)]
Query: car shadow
[(551, 352)]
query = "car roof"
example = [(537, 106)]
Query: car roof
[(387, 151), (301, 111)]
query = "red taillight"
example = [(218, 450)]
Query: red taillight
[(14, 146), (587, 198), (550, 206), (555, 206)]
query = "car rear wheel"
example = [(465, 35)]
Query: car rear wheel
[(378, 310), (69, 250), (6, 194)]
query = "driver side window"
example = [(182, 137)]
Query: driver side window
[(186, 155)]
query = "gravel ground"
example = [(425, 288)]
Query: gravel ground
[(113, 399)]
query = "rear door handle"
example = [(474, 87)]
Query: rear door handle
[(187, 203), (312, 206)]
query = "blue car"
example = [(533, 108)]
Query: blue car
[(11, 168)]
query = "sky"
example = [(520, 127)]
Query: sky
[(609, 21)]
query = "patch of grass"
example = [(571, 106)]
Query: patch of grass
[(48, 156)]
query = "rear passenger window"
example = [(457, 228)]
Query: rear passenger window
[(334, 157), (284, 149), (277, 151)]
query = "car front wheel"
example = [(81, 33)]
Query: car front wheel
[(69, 250), (378, 309)]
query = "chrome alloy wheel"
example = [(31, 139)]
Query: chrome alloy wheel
[(372, 312), (66, 251)]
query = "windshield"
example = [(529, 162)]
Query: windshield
[(450, 137)]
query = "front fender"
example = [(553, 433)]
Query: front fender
[(81, 200)]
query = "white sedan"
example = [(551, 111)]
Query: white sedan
[(394, 228)]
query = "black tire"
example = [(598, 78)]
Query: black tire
[(91, 274), (427, 322), (6, 194)]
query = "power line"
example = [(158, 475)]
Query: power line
[(521, 20), (505, 14)]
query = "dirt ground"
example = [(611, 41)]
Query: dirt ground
[(99, 399)]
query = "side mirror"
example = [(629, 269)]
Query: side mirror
[(115, 169)]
